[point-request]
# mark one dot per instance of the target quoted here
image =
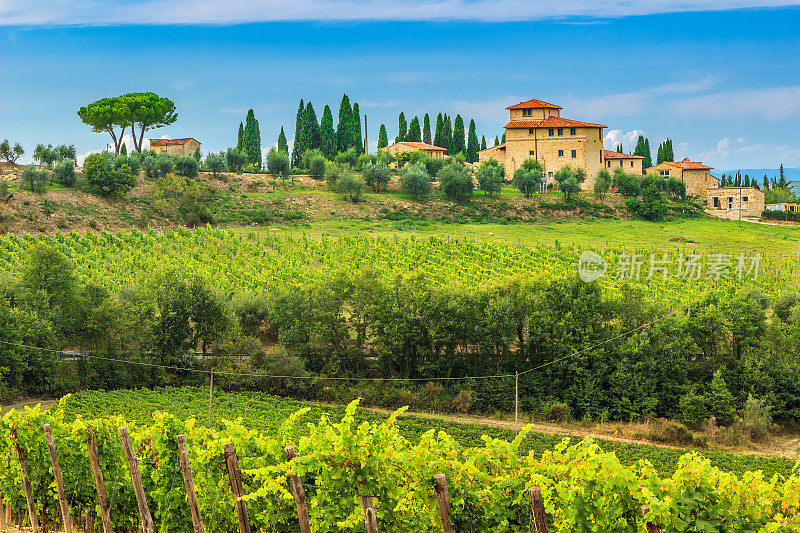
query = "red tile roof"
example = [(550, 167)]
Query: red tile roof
[(422, 146), (686, 165), (552, 122), (608, 154), (534, 104), (171, 142), (500, 146)]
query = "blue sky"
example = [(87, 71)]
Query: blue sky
[(723, 83)]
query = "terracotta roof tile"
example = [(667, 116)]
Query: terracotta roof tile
[(686, 165), (422, 146), (552, 122), (608, 154), (498, 147), (533, 104), (171, 142)]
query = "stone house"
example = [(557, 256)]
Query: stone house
[(632, 164), (536, 130), (187, 146), (695, 175), (729, 200), (412, 146)]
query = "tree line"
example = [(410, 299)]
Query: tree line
[(448, 134)]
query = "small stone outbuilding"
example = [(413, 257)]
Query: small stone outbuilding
[(412, 146), (187, 146), (729, 200)]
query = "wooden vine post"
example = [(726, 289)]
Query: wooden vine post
[(537, 510), (136, 478), (2, 514), (99, 483), (370, 520), (299, 494), (188, 482), (443, 500), (232, 463), (23, 466), (62, 499), (651, 528)]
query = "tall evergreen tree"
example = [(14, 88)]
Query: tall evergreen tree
[(251, 140), (311, 139), (240, 137), (782, 181), (647, 162), (472, 143), (283, 146), (447, 134), (668, 153), (459, 144), (496, 141), (356, 137), (483, 142), (766, 182), (345, 125), (298, 134), (619, 148), (746, 180), (660, 154), (503, 140), (414, 132), (402, 128), (327, 134), (437, 138), (426, 129), (383, 139)]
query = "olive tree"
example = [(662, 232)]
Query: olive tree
[(415, 181), (490, 177)]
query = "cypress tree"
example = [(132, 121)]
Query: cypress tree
[(414, 132), (298, 134), (668, 153), (472, 143), (251, 140), (437, 138), (660, 154), (356, 139), (426, 129), (239, 139), (746, 180), (503, 140), (619, 148), (766, 182), (343, 128), (283, 146), (459, 145), (648, 157), (123, 150), (496, 141), (447, 134), (782, 181), (483, 142), (402, 128), (327, 135), (311, 139), (383, 139)]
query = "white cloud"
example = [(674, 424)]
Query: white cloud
[(773, 103), (726, 154), (628, 139), (161, 12)]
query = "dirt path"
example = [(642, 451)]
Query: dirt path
[(788, 447)]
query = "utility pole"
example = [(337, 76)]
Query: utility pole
[(210, 396), (740, 204), (366, 145)]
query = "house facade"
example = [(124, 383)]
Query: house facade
[(536, 130), (730, 200), (695, 175), (631, 164), (411, 146), (187, 146)]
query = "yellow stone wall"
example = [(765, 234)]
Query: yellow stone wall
[(728, 200), (698, 181), (497, 153), (177, 149), (587, 144), (536, 114), (395, 149), (631, 166)]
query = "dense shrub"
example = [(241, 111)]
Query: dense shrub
[(785, 303), (490, 177), (791, 216), (376, 175), (415, 181), (215, 163), (186, 166), (36, 180), (278, 163), (350, 185), (64, 173), (314, 163), (602, 183), (626, 184), (456, 181), (348, 157), (568, 181), (528, 177)]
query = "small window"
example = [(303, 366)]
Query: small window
[(608, 164), (745, 198), (664, 173), (600, 131), (573, 131), (530, 131), (631, 163), (574, 154), (560, 132), (550, 132), (549, 174), (530, 153), (620, 163), (561, 153), (716, 202), (527, 112)]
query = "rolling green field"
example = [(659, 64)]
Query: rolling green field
[(267, 413)]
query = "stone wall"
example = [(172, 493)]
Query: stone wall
[(726, 200)]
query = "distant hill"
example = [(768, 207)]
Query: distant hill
[(790, 173)]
